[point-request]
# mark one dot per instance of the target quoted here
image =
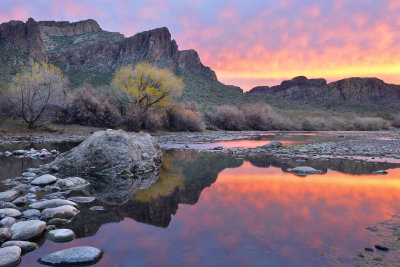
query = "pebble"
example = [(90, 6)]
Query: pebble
[(31, 214), (381, 247), (61, 235), (10, 256), (26, 230), (97, 208), (76, 255), (26, 246), (44, 180)]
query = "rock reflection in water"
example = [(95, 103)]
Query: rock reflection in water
[(154, 197)]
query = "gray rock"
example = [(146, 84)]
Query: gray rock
[(50, 228), (273, 144), (7, 153), (57, 195), (82, 199), (62, 212), (7, 205), (31, 214), (61, 235), (57, 222), (75, 255), (117, 153), (27, 230), (381, 172), (21, 201), (44, 180), (10, 213), (29, 174), (51, 188), (22, 188), (25, 246), (304, 170), (9, 195), (5, 234), (96, 208), (10, 256), (8, 222), (218, 148), (72, 182), (51, 203)]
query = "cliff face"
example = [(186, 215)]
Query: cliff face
[(351, 89), (86, 53)]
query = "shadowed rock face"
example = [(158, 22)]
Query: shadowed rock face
[(84, 43), (351, 89)]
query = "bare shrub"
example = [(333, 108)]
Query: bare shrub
[(257, 116), (226, 118), (180, 118), (88, 107)]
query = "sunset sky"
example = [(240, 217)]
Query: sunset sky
[(253, 42)]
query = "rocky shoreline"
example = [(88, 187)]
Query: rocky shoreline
[(381, 144)]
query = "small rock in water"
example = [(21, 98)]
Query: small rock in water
[(72, 182), (381, 247), (62, 212), (5, 234), (44, 180), (57, 222), (75, 255), (50, 228), (27, 230), (51, 203), (97, 208), (31, 214), (61, 235), (372, 228), (10, 256), (273, 144), (304, 170), (9, 195), (369, 249), (7, 153), (381, 172), (218, 148), (25, 246), (82, 199)]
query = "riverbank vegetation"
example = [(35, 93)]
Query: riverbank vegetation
[(145, 97)]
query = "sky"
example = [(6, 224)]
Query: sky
[(252, 42)]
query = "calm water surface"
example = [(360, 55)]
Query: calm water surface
[(214, 210)]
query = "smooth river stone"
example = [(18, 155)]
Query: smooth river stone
[(62, 212), (303, 170), (61, 235), (44, 180), (9, 195), (27, 230), (82, 199), (10, 213), (75, 255), (26, 246), (52, 203), (10, 256)]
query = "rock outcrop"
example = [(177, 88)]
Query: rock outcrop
[(351, 89), (111, 153), (84, 46)]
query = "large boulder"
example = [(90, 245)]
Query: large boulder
[(110, 153)]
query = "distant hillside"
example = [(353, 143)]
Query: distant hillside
[(88, 54), (367, 90)]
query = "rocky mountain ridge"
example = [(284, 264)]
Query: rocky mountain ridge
[(86, 53), (350, 89)]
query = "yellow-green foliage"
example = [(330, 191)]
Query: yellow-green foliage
[(35, 89), (147, 86)]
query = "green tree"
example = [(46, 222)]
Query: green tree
[(35, 89)]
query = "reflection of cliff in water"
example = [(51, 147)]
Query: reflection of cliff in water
[(336, 164), (183, 177)]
